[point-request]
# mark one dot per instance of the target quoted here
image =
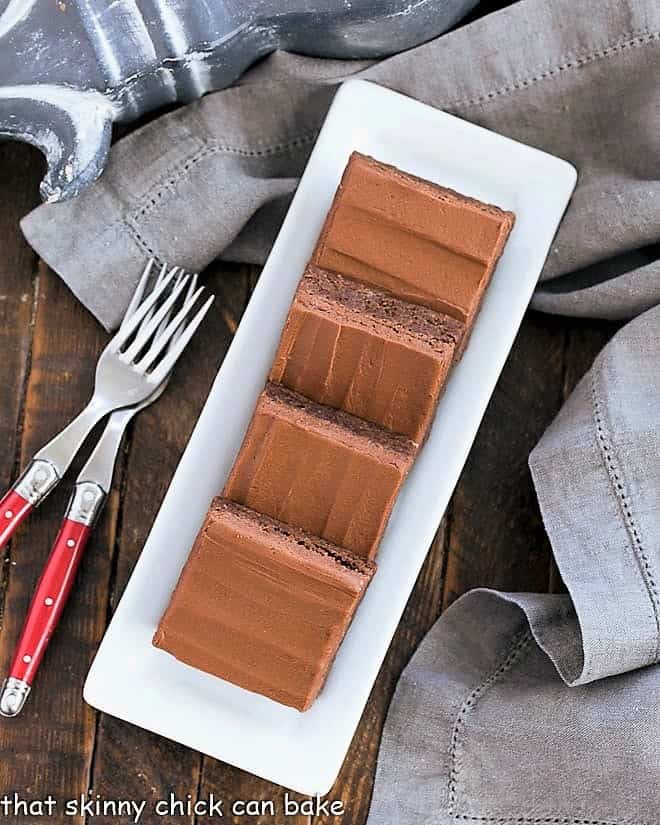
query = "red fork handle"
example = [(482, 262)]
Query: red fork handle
[(34, 484), (47, 605), (51, 594), (14, 509)]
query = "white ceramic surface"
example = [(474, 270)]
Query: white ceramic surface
[(132, 680)]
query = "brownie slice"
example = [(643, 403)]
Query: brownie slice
[(367, 352), (321, 469), (418, 240), (262, 605)]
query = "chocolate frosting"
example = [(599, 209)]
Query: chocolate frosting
[(367, 352), (420, 241), (262, 604), (320, 469)]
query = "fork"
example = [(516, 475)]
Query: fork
[(85, 505), (131, 367)]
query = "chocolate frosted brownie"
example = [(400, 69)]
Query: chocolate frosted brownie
[(420, 241), (262, 604), (320, 469), (367, 352)]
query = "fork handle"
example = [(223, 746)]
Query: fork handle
[(14, 509), (51, 595), (28, 492), (47, 468), (49, 599)]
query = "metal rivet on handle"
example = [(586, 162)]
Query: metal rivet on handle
[(9, 514), (70, 543), (27, 659), (48, 601)]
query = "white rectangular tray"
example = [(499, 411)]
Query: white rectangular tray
[(132, 680)]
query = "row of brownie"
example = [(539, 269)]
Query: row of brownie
[(379, 317)]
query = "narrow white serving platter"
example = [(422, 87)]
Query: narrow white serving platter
[(132, 680)]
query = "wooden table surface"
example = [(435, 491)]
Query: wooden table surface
[(491, 536)]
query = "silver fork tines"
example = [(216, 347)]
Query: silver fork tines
[(139, 357), (142, 285), (133, 321), (161, 340), (146, 330), (184, 335)]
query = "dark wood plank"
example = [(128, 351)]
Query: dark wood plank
[(128, 761), (19, 180), (496, 536), (355, 782), (49, 748)]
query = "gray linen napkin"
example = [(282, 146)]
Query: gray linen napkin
[(214, 178), (517, 708), (521, 708)]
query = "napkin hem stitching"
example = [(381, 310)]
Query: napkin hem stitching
[(635, 40), (519, 645), (211, 148), (133, 220), (644, 563)]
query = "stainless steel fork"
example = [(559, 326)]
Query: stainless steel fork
[(133, 365)]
